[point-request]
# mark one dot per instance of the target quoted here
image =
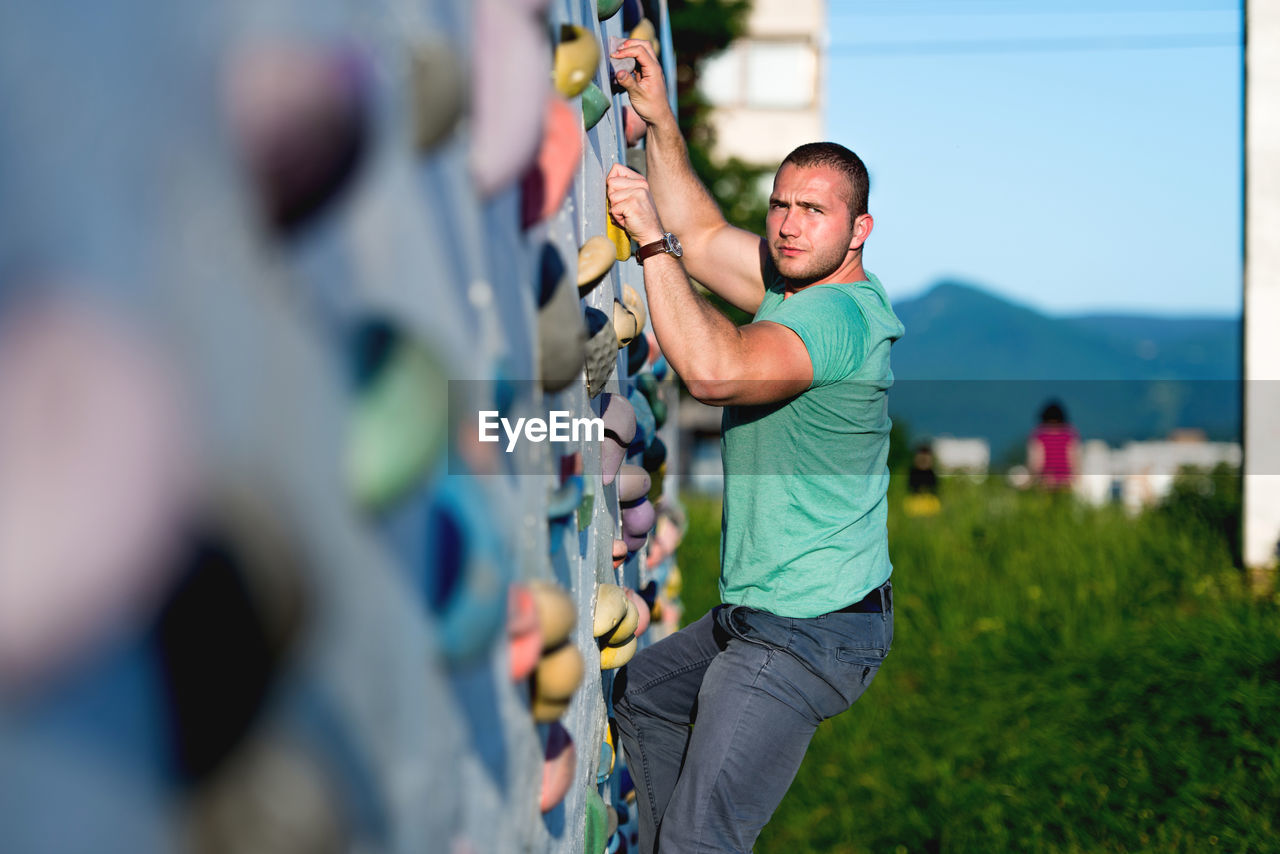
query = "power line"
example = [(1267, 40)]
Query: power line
[(904, 8), (1046, 45)]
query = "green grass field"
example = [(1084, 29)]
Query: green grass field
[(1063, 679)]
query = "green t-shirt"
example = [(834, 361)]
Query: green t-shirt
[(803, 529)]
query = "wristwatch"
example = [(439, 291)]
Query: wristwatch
[(668, 244)]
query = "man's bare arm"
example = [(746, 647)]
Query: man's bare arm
[(727, 260), (720, 363)]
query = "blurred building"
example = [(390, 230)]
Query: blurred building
[(767, 87), (1262, 284), (1140, 474), (961, 456)]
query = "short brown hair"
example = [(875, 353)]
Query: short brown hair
[(836, 156)]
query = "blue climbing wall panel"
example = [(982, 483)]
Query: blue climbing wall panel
[(262, 587)]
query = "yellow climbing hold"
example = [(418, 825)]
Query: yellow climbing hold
[(645, 30), (631, 297), (613, 657), (595, 258), (577, 58), (611, 608), (617, 234)]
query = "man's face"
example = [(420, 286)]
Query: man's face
[(808, 227)]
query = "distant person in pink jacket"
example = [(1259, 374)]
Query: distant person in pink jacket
[(1053, 449)]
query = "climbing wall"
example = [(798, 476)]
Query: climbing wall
[(265, 585)]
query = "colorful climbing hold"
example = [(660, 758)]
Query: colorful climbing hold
[(595, 104), (397, 424), (595, 259), (611, 608), (576, 61), (545, 185), (646, 31), (555, 679), (437, 91), (597, 822), (510, 69), (559, 761), (619, 429), (621, 240), (633, 483), (613, 657), (561, 334), (626, 326), (299, 118), (601, 351)]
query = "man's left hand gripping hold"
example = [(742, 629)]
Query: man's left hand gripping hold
[(721, 364)]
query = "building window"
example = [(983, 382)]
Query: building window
[(721, 80), (771, 75), (781, 75)]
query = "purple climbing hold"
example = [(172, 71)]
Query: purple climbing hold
[(299, 118)]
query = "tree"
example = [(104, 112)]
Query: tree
[(700, 30)]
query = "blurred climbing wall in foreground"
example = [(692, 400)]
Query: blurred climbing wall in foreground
[(265, 265)]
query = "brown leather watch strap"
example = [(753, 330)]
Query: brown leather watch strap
[(651, 249)]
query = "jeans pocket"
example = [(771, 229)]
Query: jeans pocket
[(863, 646), (758, 627), (859, 667), (863, 634)]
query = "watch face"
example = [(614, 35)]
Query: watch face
[(673, 244)]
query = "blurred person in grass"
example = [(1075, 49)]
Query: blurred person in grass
[(716, 718), (1053, 449), (922, 484)]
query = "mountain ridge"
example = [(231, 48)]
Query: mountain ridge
[(958, 330), (973, 363)]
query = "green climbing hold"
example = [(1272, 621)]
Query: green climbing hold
[(397, 426), (595, 104), (584, 511), (606, 9), (659, 408), (596, 835)]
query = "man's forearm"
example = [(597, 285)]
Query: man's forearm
[(683, 202), (697, 340)]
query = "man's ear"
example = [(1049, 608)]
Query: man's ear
[(862, 226)]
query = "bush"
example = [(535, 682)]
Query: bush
[(1209, 502)]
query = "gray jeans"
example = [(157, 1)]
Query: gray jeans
[(754, 686)]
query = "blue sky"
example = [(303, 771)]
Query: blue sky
[(1073, 156)]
